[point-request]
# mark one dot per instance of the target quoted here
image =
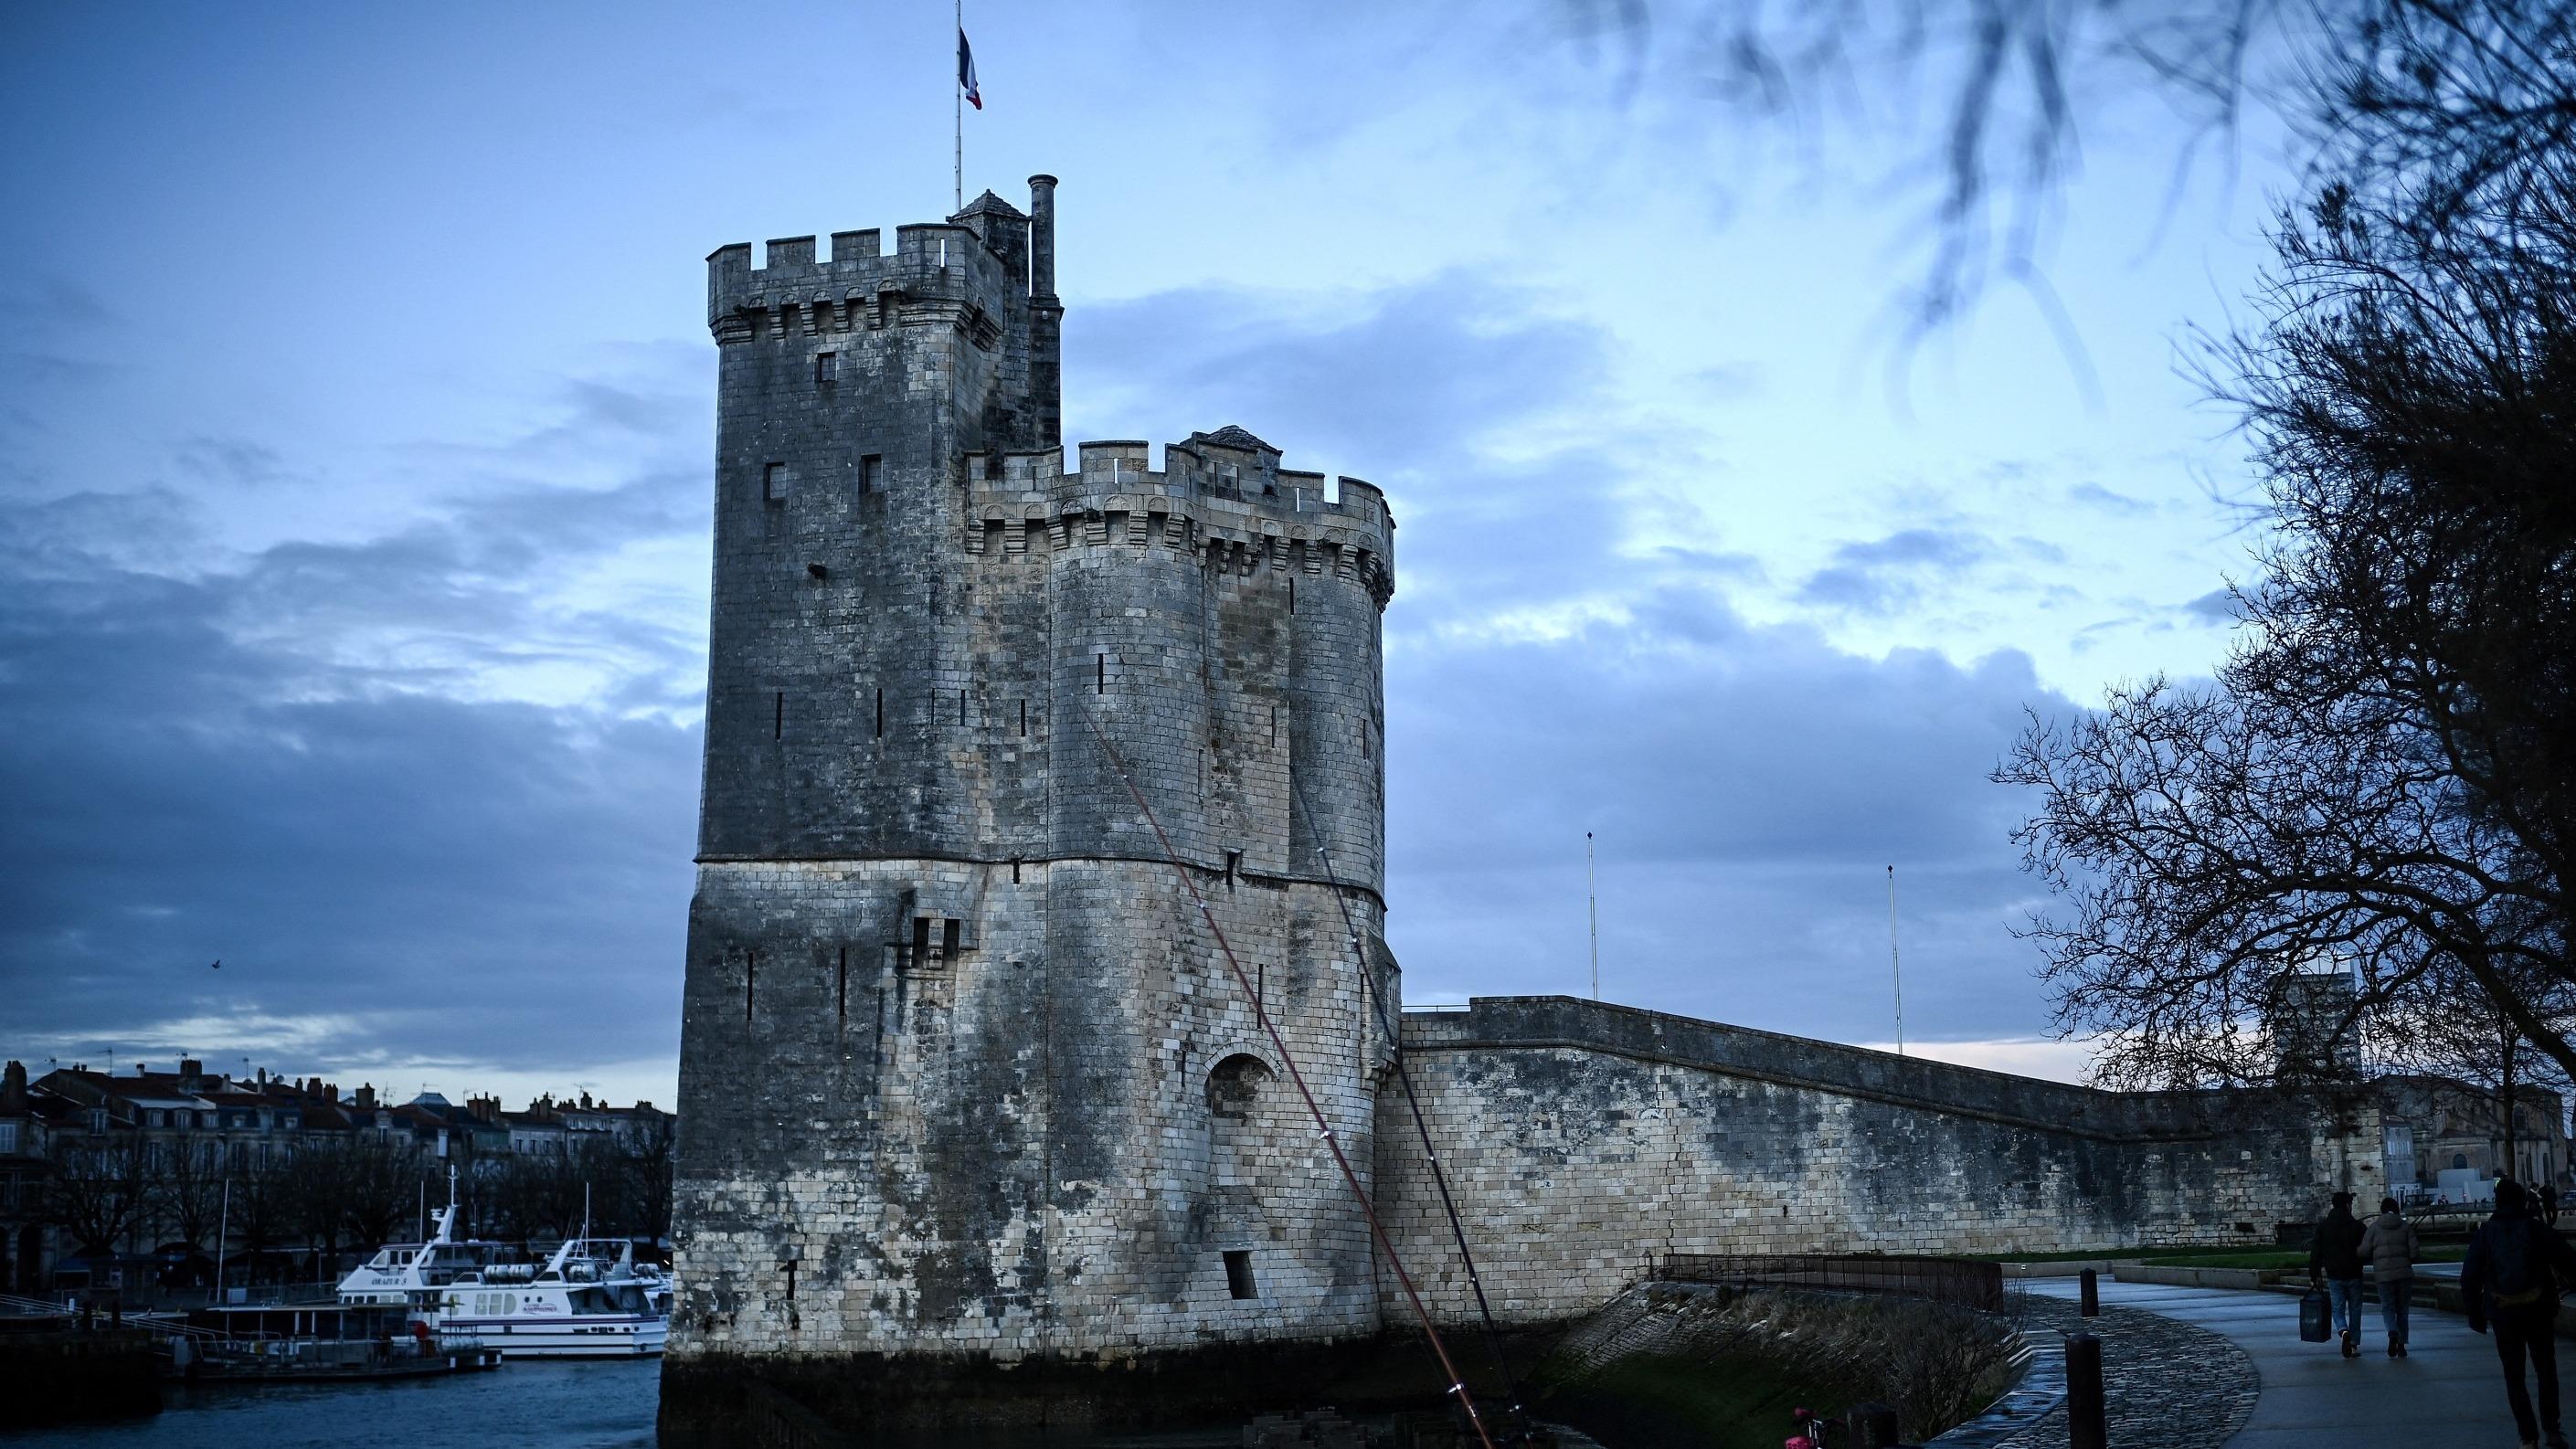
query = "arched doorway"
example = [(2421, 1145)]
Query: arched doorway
[(1241, 1093)]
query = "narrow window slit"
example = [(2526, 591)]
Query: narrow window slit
[(880, 714), (1238, 1274), (961, 709), (951, 933), (1100, 675), (841, 988), (778, 715), (750, 969)]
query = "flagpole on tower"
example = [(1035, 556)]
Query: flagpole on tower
[(957, 103)]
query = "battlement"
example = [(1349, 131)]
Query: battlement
[(1222, 491), (931, 260), (989, 253)]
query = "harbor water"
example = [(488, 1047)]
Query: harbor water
[(538, 1404)]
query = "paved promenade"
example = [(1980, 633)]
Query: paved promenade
[(2448, 1391)]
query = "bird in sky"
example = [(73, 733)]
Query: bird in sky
[(219, 963)]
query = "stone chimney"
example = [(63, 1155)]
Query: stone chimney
[(188, 1067), (366, 1097), (13, 1090)]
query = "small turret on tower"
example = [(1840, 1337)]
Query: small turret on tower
[(1046, 317)]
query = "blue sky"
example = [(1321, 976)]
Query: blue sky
[(356, 426)]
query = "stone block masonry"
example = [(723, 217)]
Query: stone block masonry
[(980, 1095), (976, 1124), (1584, 1141)]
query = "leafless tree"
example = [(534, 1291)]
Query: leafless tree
[(646, 1211), (2383, 774), (2419, 91), (186, 1189), (2450, 1031), (264, 1214), (98, 1190)]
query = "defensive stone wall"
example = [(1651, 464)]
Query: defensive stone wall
[(1584, 1140)]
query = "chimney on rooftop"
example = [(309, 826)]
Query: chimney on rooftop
[(13, 1090), (188, 1067), (366, 1095)]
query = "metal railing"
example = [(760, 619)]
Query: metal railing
[(1961, 1281)]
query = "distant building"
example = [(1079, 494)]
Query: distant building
[(2436, 1124), (194, 1125)]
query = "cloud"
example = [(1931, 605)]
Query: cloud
[(436, 869), (1747, 787), (2218, 606), (428, 793), (2094, 495), (1556, 666), (1883, 575)]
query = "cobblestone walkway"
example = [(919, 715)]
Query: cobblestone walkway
[(2165, 1382)]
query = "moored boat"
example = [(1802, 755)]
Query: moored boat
[(588, 1299)]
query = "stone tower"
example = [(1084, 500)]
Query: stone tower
[(973, 1109)]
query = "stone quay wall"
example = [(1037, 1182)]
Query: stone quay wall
[(1583, 1141)]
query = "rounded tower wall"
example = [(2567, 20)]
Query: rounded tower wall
[(966, 1078)]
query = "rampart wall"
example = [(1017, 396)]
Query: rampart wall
[(1584, 1140)]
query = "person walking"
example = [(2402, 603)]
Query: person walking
[(2335, 1259), (2389, 1245), (2516, 1267)]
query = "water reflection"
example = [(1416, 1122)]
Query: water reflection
[(539, 1405)]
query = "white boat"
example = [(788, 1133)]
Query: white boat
[(589, 1299)]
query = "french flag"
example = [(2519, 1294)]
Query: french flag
[(966, 72)]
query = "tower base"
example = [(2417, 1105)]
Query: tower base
[(728, 1401)]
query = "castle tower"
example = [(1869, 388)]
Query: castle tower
[(972, 1109)]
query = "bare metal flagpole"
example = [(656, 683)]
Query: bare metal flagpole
[(1895, 972), (1592, 909)]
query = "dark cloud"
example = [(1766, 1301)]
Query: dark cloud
[(317, 762), (1748, 787), (1409, 381), (1419, 389), (2218, 606), (232, 460), (292, 760), (1883, 575), (456, 878)]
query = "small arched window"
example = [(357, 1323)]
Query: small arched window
[(2459, 1159)]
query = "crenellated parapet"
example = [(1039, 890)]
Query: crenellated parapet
[(1220, 498), (858, 287)]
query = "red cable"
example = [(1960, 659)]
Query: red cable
[(1323, 1125)]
